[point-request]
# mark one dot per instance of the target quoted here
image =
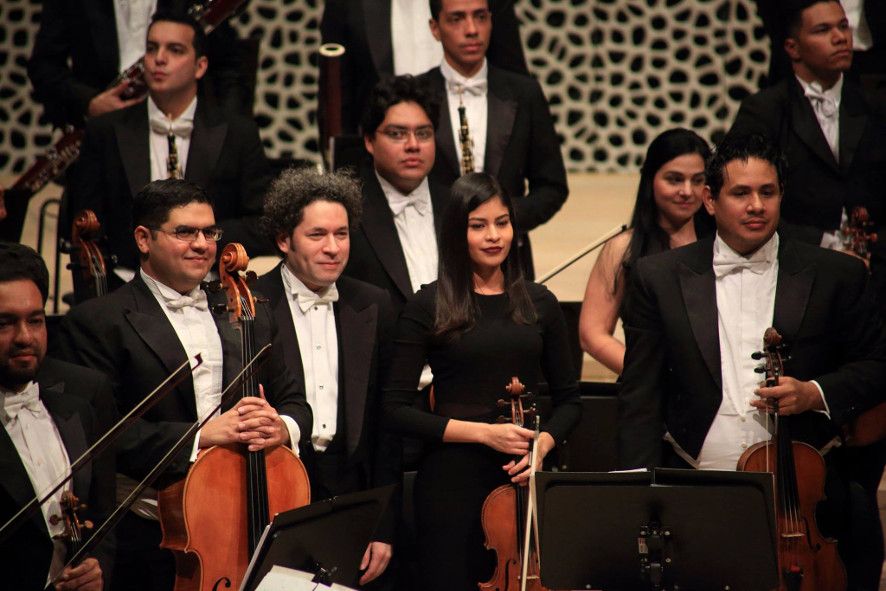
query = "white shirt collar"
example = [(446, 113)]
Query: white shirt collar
[(420, 197), (163, 292), (296, 286), (834, 93), (187, 114), (450, 75), (768, 252)]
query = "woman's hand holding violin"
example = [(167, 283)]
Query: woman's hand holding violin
[(519, 471), (508, 438)]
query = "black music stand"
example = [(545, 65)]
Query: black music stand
[(327, 538), (666, 529)]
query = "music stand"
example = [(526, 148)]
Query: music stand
[(327, 538), (666, 529)]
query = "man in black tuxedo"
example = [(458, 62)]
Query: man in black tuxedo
[(395, 245), (511, 130), (695, 315), (143, 331), (335, 333), (126, 149), (821, 122), (868, 62), (77, 55), (48, 423), (371, 36)]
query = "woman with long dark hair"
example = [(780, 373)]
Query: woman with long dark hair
[(667, 214), (477, 326)]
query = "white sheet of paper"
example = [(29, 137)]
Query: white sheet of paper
[(280, 578)]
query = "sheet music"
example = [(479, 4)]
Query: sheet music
[(280, 578)]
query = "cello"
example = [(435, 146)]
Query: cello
[(807, 561), (213, 519), (505, 508), (89, 269)]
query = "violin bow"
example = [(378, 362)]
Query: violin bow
[(531, 513), (247, 372), (162, 389)]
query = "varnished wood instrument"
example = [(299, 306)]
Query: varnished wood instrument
[(88, 263), (213, 519), (807, 561), (505, 511)]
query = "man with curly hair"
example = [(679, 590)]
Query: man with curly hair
[(334, 333)]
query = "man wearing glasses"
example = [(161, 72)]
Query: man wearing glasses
[(395, 246), (142, 332)]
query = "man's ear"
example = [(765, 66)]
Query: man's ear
[(708, 199), (201, 66), (143, 237), (435, 28), (792, 48), (283, 243)]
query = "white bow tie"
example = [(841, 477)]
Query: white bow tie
[(821, 103), (180, 127), (13, 404), (197, 299), (726, 263), (307, 299), (398, 202), (475, 87)]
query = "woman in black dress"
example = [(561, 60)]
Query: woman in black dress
[(480, 324)]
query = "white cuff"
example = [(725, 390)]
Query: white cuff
[(294, 432), (827, 409), (196, 447)]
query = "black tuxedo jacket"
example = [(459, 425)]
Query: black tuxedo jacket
[(817, 185), (127, 336), (85, 32), (772, 15), (376, 253), (521, 146), (65, 390), (225, 157), (364, 320), (364, 28), (672, 380)]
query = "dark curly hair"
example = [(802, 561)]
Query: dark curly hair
[(295, 189)]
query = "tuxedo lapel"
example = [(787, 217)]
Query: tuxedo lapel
[(207, 140), (377, 14), (806, 126), (232, 358), (853, 120), (276, 294), (15, 479), (133, 135), (447, 153), (501, 112), (378, 225), (700, 298), (795, 278), (356, 330), (154, 329), (70, 428)]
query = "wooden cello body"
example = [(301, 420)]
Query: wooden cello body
[(807, 561), (213, 519), (503, 515)]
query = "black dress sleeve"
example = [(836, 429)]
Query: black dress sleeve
[(411, 346), (556, 365)]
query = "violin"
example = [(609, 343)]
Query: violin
[(807, 561), (504, 510), (74, 526), (857, 232), (213, 519), (89, 267)]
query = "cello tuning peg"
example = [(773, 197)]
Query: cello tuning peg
[(757, 355), (759, 369), (501, 420), (219, 308), (502, 403)]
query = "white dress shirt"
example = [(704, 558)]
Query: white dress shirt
[(861, 32), (132, 18), (160, 125), (414, 220), (415, 49), (826, 104), (313, 316), (42, 451), (471, 92)]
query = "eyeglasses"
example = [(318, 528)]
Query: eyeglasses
[(401, 134), (189, 234)]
